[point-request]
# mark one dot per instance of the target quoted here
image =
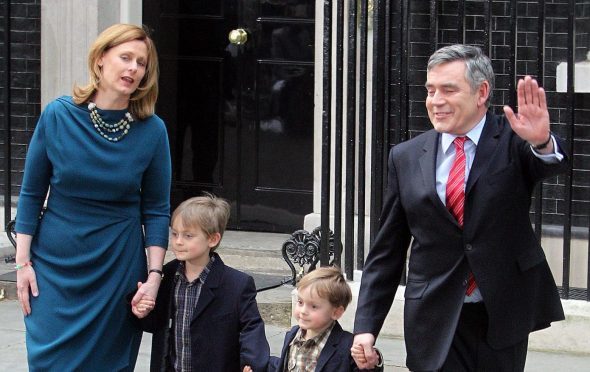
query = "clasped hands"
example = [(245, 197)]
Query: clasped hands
[(144, 300), (363, 352)]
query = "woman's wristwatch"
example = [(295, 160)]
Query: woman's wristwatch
[(159, 272)]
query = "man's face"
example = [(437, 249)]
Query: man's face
[(453, 107)]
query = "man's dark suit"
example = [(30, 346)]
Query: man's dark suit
[(497, 243)]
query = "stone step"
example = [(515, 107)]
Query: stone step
[(7, 280)]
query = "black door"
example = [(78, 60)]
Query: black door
[(240, 116)]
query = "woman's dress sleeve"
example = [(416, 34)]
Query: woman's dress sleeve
[(36, 177), (155, 197)]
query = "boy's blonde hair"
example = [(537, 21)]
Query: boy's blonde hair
[(208, 213), (143, 101), (328, 283)]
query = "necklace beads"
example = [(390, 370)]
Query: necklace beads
[(111, 132)]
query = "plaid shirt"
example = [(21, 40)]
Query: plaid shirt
[(304, 354), (186, 296)]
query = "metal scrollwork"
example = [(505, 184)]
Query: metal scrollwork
[(303, 249), (299, 248)]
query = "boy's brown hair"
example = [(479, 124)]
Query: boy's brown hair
[(208, 213), (328, 283)]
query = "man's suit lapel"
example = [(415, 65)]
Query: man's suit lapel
[(211, 283), (428, 167), (484, 151)]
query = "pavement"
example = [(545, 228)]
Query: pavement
[(258, 254)]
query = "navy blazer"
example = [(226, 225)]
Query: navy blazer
[(497, 243), (335, 356), (227, 331)]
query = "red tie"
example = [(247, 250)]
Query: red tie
[(455, 197), (456, 182)]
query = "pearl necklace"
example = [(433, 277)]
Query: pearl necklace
[(121, 127)]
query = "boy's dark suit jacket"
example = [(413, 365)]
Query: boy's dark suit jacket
[(227, 331), (335, 356), (497, 243)]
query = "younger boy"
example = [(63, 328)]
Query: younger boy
[(206, 317), (318, 342)]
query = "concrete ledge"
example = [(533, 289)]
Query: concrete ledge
[(278, 314), (570, 335), (275, 306), (6, 248), (8, 290)]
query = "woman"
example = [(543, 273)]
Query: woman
[(106, 158)]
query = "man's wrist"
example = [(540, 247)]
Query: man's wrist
[(379, 358), (543, 145)]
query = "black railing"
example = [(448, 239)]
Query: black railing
[(521, 37), (570, 136), (338, 123), (326, 133), (7, 113)]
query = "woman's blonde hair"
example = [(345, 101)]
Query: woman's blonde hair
[(143, 100)]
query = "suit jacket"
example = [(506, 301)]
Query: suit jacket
[(227, 331), (497, 243), (335, 356)]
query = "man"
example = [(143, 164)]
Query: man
[(478, 281)]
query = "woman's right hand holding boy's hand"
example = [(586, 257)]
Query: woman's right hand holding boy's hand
[(26, 283), (247, 369), (145, 304)]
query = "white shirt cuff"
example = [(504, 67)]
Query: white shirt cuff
[(552, 158)]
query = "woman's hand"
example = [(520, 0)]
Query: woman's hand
[(144, 306), (26, 280), (26, 284), (147, 291)]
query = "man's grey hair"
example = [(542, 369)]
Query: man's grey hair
[(478, 67)]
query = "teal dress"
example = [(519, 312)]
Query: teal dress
[(107, 202)]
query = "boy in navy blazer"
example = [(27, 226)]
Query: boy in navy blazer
[(318, 342), (205, 317)]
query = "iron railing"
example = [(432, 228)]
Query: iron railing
[(398, 68), (503, 32), (7, 124)]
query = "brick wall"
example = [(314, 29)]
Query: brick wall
[(420, 46), (25, 83)]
